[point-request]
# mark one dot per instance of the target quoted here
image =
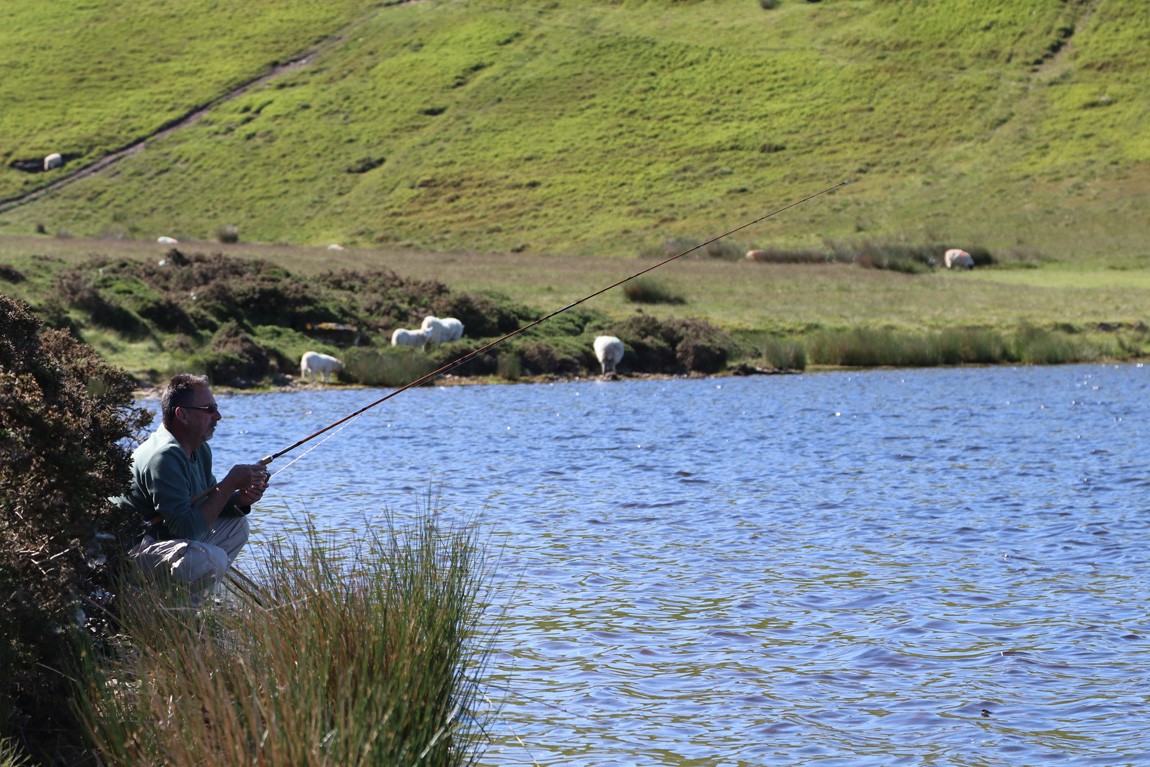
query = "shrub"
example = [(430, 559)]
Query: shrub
[(9, 273), (648, 290), (673, 345), (66, 418), (236, 359), (228, 233)]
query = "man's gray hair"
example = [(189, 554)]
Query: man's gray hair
[(179, 392)]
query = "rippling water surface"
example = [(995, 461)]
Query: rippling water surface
[(877, 568)]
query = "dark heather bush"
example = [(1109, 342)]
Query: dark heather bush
[(673, 345), (66, 425), (485, 315), (237, 360)]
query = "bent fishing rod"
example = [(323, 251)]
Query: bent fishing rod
[(484, 349), (488, 347)]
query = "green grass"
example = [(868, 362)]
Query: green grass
[(1099, 298), (590, 128), (371, 656)]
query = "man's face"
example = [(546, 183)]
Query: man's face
[(202, 413)]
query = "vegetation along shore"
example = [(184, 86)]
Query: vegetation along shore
[(246, 314)]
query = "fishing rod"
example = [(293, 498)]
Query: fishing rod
[(484, 349), (488, 347)]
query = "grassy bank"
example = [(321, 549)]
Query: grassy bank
[(790, 312), (586, 128), (369, 655)]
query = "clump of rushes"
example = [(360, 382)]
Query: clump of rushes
[(647, 290), (366, 657), (871, 347), (386, 366)]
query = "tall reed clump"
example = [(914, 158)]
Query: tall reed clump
[(389, 366), (871, 347), (780, 353), (364, 657), (647, 290)]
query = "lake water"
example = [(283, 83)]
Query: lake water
[(864, 568)]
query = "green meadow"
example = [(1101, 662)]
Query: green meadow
[(584, 128)]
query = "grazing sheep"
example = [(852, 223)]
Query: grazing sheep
[(335, 246), (443, 330), (415, 338), (324, 364), (167, 240), (436, 331), (959, 258), (54, 160), (609, 351)]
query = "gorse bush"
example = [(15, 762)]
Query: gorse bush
[(66, 418)]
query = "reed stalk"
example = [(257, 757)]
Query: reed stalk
[(360, 657)]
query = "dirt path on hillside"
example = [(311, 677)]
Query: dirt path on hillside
[(190, 118)]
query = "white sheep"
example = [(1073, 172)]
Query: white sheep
[(324, 364), (54, 160), (414, 338), (956, 257), (165, 240), (443, 330), (609, 351)]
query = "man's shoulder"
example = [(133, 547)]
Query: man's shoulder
[(160, 446)]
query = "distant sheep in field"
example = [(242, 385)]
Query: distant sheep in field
[(958, 258), (324, 364), (442, 331), (165, 240), (609, 351), (414, 338), (54, 160)]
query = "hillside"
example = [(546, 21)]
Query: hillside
[(584, 127)]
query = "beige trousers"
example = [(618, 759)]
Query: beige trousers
[(200, 564)]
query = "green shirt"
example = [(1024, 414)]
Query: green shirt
[(164, 482)]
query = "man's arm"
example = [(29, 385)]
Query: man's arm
[(246, 483)]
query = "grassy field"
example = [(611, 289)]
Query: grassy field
[(583, 128), (737, 295)]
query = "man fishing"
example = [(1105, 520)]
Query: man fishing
[(194, 526)]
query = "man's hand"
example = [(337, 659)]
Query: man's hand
[(251, 481)]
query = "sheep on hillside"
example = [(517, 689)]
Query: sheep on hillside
[(314, 362), (960, 258), (444, 330), (609, 351), (414, 338)]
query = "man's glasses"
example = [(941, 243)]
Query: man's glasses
[(212, 408)]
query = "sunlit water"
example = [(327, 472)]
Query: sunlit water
[(878, 568)]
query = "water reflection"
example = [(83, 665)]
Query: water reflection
[(938, 566)]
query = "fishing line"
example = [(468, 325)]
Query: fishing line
[(484, 349)]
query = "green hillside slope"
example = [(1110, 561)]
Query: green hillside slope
[(588, 127)]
